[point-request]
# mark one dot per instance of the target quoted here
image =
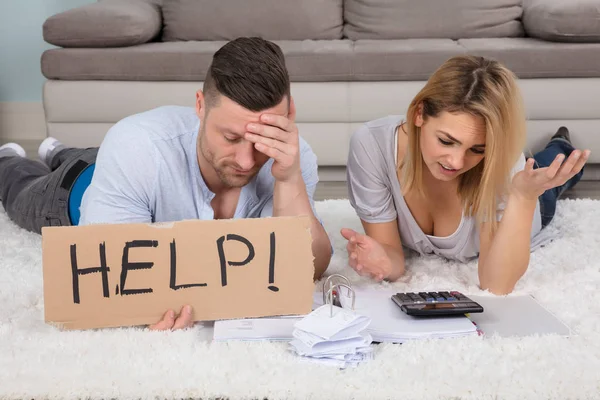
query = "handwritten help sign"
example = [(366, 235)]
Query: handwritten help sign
[(121, 275)]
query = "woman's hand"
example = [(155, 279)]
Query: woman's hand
[(366, 256), (531, 183)]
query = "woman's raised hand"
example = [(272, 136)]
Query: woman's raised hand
[(366, 256), (531, 183)]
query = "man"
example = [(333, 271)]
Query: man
[(238, 154)]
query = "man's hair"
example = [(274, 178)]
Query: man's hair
[(249, 71)]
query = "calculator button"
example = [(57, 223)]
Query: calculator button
[(415, 297), (437, 296), (448, 296), (425, 296), (404, 298)]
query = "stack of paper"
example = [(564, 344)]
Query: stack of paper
[(333, 336), (390, 324)]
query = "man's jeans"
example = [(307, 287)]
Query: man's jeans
[(34, 195), (543, 159)]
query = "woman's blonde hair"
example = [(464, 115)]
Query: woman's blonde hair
[(484, 88)]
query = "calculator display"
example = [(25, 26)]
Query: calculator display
[(437, 305)]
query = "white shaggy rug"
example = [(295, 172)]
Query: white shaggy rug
[(38, 361)]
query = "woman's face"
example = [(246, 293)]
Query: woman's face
[(451, 143)]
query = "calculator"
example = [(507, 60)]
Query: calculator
[(436, 304)]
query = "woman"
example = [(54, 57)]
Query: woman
[(451, 179)]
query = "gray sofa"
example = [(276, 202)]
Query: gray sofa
[(349, 60)]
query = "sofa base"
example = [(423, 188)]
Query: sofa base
[(79, 113)]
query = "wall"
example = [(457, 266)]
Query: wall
[(21, 46)]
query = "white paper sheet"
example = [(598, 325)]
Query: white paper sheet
[(255, 329)]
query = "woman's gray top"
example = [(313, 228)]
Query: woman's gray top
[(375, 194)]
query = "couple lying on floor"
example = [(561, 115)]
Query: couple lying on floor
[(448, 178)]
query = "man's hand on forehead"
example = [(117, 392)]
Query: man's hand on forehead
[(277, 137)]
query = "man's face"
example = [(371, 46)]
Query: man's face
[(221, 139)]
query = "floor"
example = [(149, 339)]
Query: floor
[(338, 190)]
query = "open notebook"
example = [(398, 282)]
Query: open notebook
[(388, 322)]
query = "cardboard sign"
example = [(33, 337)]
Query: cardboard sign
[(131, 274)]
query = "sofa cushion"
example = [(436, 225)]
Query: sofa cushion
[(108, 23), (270, 19), (534, 58), (403, 19), (408, 59), (328, 60), (563, 21)]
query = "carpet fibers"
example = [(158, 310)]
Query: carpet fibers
[(41, 362)]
